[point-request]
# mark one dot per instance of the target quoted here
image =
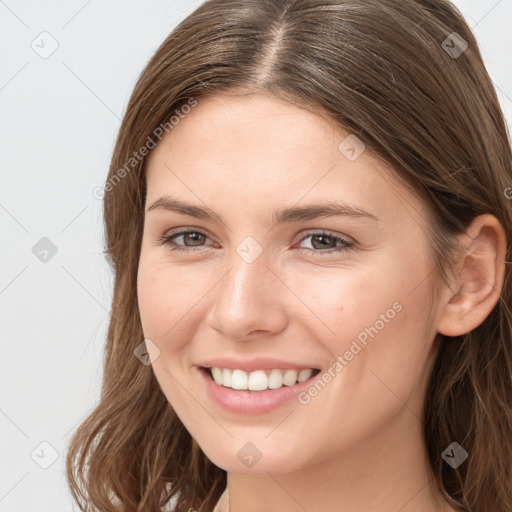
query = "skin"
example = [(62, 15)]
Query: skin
[(358, 444)]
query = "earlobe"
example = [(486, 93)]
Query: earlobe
[(478, 280)]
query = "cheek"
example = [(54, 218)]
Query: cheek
[(159, 301), (376, 318), (169, 301), (340, 303), (386, 346)]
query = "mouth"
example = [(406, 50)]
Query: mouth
[(258, 380)]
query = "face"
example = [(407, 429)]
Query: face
[(255, 275)]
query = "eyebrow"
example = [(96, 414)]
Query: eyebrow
[(295, 213)]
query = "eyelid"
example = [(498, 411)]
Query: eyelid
[(319, 231), (184, 230), (312, 231)]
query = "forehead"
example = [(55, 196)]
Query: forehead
[(258, 152)]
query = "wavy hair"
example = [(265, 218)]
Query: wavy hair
[(381, 69)]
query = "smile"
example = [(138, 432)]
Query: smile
[(251, 393), (259, 380)]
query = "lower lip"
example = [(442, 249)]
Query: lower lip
[(251, 402)]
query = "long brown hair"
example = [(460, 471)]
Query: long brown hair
[(393, 73)]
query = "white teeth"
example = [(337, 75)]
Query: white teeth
[(226, 378), (290, 378), (258, 380), (275, 379), (238, 379), (305, 375), (217, 375)]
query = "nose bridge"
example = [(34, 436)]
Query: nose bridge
[(245, 282), (246, 298)]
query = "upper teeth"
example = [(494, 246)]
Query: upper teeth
[(258, 380)]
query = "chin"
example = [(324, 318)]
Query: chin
[(251, 460)]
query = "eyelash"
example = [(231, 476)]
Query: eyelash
[(347, 245)]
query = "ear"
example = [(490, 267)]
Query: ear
[(478, 279)]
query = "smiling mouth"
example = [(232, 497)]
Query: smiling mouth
[(258, 380)]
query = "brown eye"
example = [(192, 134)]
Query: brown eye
[(190, 239), (322, 243)]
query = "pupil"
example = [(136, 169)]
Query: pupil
[(192, 235), (322, 237)]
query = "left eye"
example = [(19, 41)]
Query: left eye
[(343, 244), (197, 238)]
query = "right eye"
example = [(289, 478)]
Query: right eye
[(169, 239)]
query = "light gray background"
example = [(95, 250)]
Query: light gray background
[(59, 117)]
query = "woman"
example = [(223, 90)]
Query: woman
[(308, 217)]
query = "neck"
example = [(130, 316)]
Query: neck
[(388, 472)]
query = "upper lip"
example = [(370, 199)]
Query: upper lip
[(249, 365)]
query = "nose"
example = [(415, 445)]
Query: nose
[(248, 301)]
